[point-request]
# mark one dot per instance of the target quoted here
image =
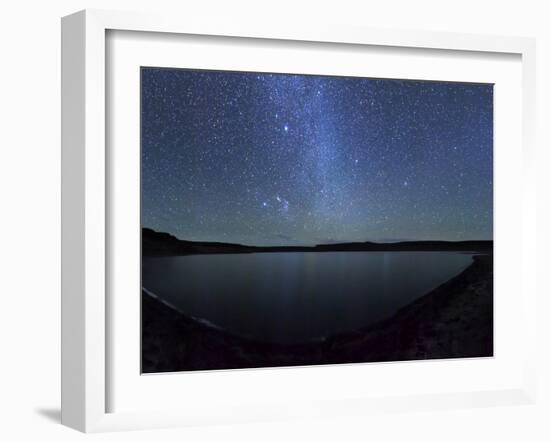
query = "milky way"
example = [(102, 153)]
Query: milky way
[(273, 159)]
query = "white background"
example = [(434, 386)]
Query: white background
[(30, 221)]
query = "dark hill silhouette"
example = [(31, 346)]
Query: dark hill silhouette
[(161, 244)]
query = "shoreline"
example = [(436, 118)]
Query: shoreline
[(453, 320), (164, 244)]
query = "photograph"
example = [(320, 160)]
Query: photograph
[(293, 219)]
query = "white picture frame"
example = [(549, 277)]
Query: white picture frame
[(86, 315)]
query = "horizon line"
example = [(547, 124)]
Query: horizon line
[(397, 241)]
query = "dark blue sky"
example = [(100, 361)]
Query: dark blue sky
[(272, 159)]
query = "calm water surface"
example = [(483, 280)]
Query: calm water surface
[(296, 297)]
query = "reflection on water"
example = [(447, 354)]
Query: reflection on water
[(296, 297)]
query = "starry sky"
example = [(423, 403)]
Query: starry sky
[(281, 159)]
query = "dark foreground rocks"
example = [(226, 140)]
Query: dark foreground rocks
[(455, 320)]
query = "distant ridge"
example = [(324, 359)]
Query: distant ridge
[(164, 244)]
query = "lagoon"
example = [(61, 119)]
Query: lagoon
[(296, 297)]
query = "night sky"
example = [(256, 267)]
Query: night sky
[(276, 159)]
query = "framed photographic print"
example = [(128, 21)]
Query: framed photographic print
[(261, 222)]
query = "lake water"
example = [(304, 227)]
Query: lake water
[(296, 297)]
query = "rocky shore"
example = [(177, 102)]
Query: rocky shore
[(455, 320)]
